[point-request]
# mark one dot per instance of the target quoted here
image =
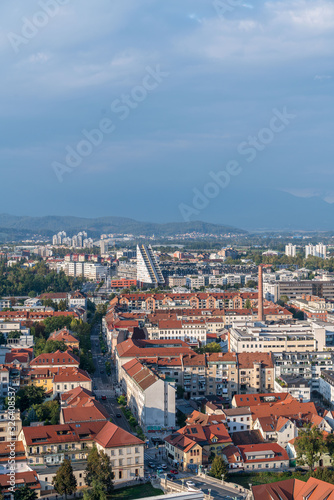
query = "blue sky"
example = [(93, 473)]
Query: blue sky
[(225, 66)]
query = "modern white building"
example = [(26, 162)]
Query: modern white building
[(291, 250), (148, 269), (150, 398), (326, 383), (319, 250)]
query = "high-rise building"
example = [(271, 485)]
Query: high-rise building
[(290, 250), (319, 250), (148, 269), (103, 247)]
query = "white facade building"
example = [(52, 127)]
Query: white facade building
[(150, 398), (148, 269), (291, 250)]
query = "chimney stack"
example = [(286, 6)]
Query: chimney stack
[(260, 297)]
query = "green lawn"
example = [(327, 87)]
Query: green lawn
[(133, 492), (263, 478)]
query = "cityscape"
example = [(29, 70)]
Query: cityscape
[(167, 250)]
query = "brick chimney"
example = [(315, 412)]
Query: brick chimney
[(260, 296)]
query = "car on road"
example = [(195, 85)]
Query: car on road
[(191, 484), (164, 466), (118, 415), (103, 397), (151, 465), (101, 371), (174, 471), (171, 477), (160, 471)]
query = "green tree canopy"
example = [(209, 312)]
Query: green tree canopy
[(28, 396), (219, 468), (310, 445), (96, 492), (25, 493), (99, 469), (64, 481)]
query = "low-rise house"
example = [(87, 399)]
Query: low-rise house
[(66, 336), (28, 478), (238, 419), (77, 299), (294, 489), (79, 405), (183, 452), (69, 378), (264, 456)]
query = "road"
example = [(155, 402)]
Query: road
[(103, 384), (213, 489)]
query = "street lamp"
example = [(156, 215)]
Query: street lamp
[(182, 481), (209, 490)]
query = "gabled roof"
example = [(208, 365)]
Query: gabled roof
[(181, 442), (63, 335), (71, 374), (55, 358), (260, 399), (112, 436)]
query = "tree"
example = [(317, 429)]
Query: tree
[(48, 412), (219, 468), (28, 396), (310, 445), (251, 284), (62, 305), (248, 304), (25, 493), (64, 481), (99, 469), (97, 492)]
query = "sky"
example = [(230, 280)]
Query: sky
[(165, 110)]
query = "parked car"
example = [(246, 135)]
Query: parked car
[(164, 466), (171, 477), (151, 465), (104, 397), (174, 471), (118, 415)]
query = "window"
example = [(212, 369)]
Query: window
[(120, 474)]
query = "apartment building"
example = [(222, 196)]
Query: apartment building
[(55, 359), (326, 386), (148, 269), (16, 425), (256, 372), (291, 250), (66, 336), (308, 365), (150, 397), (191, 331), (298, 387), (277, 338), (50, 445), (199, 300)]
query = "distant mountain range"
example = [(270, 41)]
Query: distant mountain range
[(52, 224)]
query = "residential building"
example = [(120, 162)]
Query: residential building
[(58, 358), (291, 250), (66, 336), (49, 445), (298, 387), (150, 397), (70, 378), (262, 457), (148, 270), (256, 372), (301, 337), (294, 489)]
